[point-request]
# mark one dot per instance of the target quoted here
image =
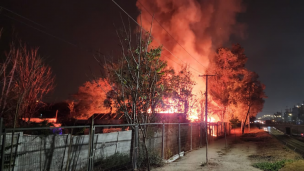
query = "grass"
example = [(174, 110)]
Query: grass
[(154, 157), (269, 148), (294, 166), (272, 155), (271, 166)]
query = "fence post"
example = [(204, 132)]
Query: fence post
[(3, 144), (163, 142), (1, 124), (91, 143), (179, 139), (3, 149), (217, 129), (136, 147), (201, 134), (16, 151), (191, 136), (225, 134)]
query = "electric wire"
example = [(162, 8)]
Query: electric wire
[(49, 34), (75, 45), (178, 63), (1, 7), (47, 31)]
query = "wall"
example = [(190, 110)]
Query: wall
[(51, 152)]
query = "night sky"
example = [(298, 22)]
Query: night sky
[(272, 42)]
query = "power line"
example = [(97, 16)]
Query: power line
[(146, 31), (46, 31), (49, 34), (170, 34), (1, 7), (73, 44), (181, 64)]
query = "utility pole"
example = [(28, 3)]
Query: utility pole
[(206, 114)]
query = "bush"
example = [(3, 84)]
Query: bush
[(114, 161), (271, 166), (154, 157)]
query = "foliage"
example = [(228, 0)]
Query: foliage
[(136, 88), (182, 99), (234, 86), (135, 83), (234, 122), (154, 157), (91, 98), (114, 161), (271, 166)]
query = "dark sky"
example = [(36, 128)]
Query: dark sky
[(84, 27), (273, 41), (275, 50)]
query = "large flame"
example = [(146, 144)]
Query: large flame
[(191, 30), (194, 115)]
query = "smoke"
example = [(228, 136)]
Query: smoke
[(199, 26)]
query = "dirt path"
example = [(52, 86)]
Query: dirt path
[(233, 158)]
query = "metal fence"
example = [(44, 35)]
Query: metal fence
[(101, 147)]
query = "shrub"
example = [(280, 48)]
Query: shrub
[(154, 157), (114, 161), (271, 166)]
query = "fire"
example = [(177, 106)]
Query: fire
[(191, 30), (193, 116)]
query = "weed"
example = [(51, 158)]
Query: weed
[(294, 166), (154, 158), (260, 157), (203, 164), (209, 164), (271, 166), (114, 161)]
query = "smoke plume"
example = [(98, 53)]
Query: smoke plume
[(199, 26)]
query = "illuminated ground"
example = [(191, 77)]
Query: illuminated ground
[(242, 152)]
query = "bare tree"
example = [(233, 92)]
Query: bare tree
[(24, 80), (7, 72), (33, 80)]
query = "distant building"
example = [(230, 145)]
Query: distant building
[(111, 119), (288, 115), (301, 114), (266, 117), (278, 117), (52, 120)]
